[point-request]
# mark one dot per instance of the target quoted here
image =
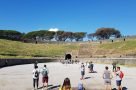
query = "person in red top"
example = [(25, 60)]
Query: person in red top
[(119, 77)]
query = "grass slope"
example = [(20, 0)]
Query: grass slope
[(121, 47), (15, 49)]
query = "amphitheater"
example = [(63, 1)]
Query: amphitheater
[(19, 77)]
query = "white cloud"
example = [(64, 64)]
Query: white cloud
[(54, 29)]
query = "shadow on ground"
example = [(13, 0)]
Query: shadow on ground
[(93, 72), (123, 88), (87, 77)]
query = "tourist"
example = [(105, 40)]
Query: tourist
[(66, 85), (90, 67), (107, 76), (45, 77), (114, 66), (80, 85), (119, 75), (35, 77), (82, 71)]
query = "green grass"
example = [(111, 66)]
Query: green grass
[(15, 49), (120, 47)]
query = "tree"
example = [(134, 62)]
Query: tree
[(58, 36), (71, 36), (48, 35), (67, 35), (78, 36), (117, 34), (10, 34), (31, 35), (106, 33), (43, 34)]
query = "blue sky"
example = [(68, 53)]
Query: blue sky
[(68, 15)]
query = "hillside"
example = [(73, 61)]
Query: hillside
[(119, 48)]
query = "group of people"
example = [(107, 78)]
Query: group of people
[(69, 61), (107, 76), (36, 73)]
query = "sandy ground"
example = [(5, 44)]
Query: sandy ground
[(20, 77)]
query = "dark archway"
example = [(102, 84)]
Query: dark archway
[(68, 57)]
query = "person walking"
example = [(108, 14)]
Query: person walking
[(107, 76), (35, 77), (45, 77)]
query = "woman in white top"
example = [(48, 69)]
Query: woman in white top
[(118, 78), (36, 77)]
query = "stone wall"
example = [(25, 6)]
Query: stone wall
[(10, 62), (122, 61)]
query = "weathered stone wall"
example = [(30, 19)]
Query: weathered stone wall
[(10, 62), (122, 61)]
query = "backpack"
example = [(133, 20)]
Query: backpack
[(121, 74), (44, 72), (36, 74), (80, 86)]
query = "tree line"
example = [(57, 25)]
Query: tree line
[(101, 33), (10, 34)]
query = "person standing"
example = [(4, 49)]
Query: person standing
[(114, 66), (107, 76), (45, 77), (91, 67), (35, 77), (82, 71), (119, 75)]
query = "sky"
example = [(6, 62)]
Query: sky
[(68, 15)]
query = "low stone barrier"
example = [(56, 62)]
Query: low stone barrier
[(121, 61), (11, 62)]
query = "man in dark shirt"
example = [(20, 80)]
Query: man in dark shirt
[(114, 66)]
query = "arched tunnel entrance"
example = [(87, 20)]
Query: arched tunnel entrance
[(68, 57)]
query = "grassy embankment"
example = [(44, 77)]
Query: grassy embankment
[(15, 49), (120, 47)]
